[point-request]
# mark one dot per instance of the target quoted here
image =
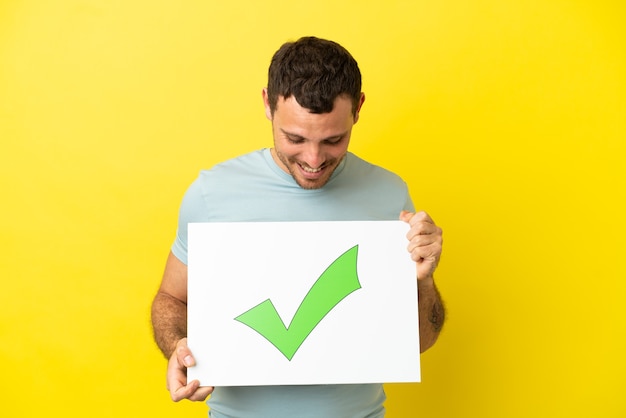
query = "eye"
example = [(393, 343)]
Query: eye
[(334, 141), (295, 141)]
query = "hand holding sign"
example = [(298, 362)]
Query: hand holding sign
[(425, 242)]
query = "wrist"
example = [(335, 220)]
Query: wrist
[(428, 281)]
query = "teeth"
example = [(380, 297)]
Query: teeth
[(311, 170)]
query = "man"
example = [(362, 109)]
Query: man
[(313, 99)]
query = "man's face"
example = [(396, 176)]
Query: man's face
[(310, 146)]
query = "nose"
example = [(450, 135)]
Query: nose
[(313, 155)]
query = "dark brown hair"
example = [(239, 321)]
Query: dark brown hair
[(315, 71)]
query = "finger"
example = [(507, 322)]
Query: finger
[(192, 391), (181, 391), (413, 218), (406, 216), (422, 216), (177, 380), (201, 393), (430, 252), (179, 388), (426, 260), (421, 223), (177, 372), (177, 383), (183, 354), (424, 241), (421, 229)]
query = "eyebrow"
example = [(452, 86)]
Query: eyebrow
[(300, 137)]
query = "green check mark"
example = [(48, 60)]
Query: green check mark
[(338, 281)]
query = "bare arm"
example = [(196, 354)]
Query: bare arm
[(425, 244), (431, 313), (169, 308), (169, 323)]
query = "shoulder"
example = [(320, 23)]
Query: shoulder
[(221, 176), (359, 168), (237, 165), (233, 173)]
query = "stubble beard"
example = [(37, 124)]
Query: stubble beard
[(304, 183)]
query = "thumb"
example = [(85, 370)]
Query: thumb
[(406, 216), (184, 354)]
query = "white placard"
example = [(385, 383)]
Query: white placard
[(288, 303)]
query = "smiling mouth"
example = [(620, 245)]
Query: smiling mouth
[(311, 170)]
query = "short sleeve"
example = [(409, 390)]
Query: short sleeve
[(192, 209), (408, 204)]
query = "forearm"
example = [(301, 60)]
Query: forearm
[(431, 312), (169, 322)]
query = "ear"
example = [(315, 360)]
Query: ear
[(266, 103), (358, 108)]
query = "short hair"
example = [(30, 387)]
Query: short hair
[(315, 71)]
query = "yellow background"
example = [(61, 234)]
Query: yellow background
[(507, 119)]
